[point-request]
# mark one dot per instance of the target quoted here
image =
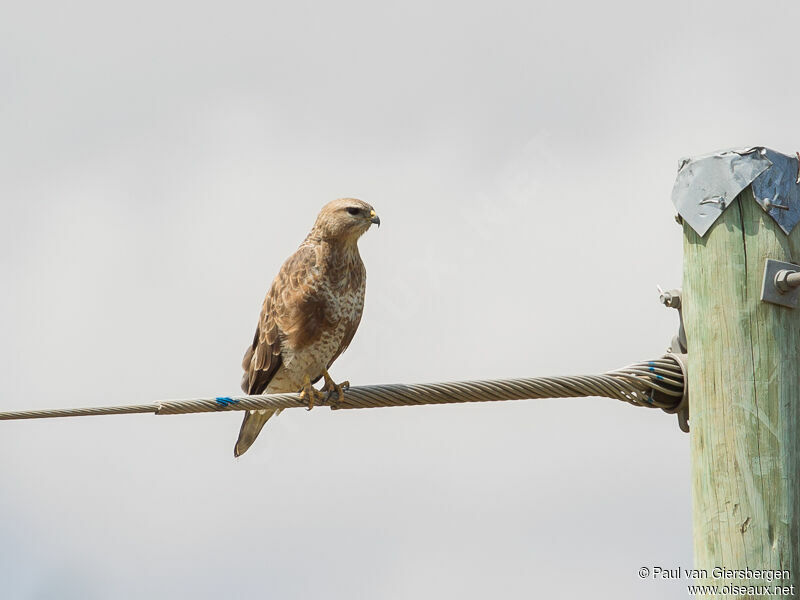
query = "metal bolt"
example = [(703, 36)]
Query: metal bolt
[(670, 299), (785, 280)]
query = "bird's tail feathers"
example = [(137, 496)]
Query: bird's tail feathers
[(252, 424)]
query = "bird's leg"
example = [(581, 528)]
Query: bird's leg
[(310, 393), (331, 387)]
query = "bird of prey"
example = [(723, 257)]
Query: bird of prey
[(310, 314)]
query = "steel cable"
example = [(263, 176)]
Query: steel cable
[(657, 383)]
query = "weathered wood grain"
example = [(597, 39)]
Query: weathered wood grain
[(744, 387)]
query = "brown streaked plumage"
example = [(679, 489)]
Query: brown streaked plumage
[(311, 311)]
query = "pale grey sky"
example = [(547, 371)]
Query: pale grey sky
[(158, 162)]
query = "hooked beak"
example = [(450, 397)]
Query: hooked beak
[(374, 218)]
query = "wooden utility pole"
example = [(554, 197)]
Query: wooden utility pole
[(744, 385)]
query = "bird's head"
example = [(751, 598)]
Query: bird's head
[(345, 219)]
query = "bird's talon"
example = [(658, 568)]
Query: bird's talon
[(309, 393), (325, 396), (333, 397), (333, 388)]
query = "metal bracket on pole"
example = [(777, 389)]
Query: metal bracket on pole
[(781, 284), (672, 299), (678, 350)]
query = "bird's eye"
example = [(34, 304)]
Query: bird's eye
[(353, 210)]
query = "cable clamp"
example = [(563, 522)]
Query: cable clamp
[(679, 353)]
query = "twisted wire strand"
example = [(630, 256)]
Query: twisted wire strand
[(657, 383)]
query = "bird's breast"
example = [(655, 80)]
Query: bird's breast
[(342, 313)]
